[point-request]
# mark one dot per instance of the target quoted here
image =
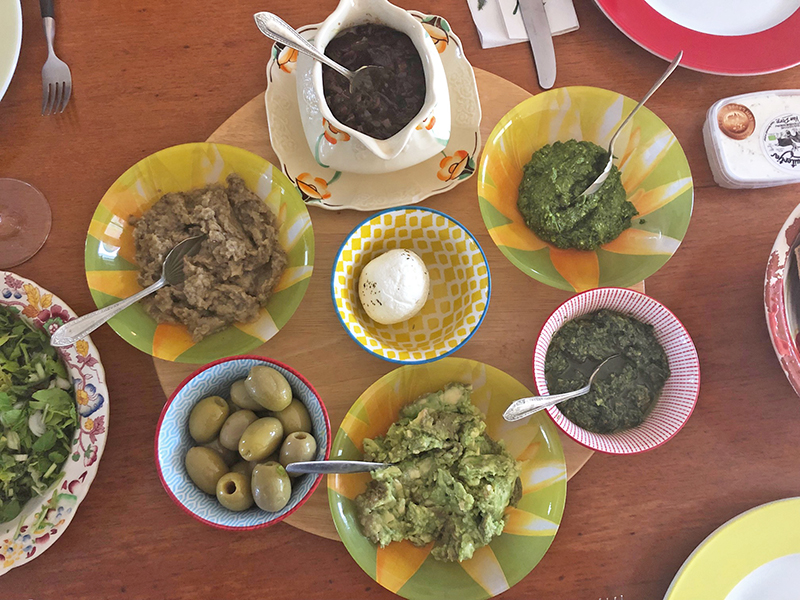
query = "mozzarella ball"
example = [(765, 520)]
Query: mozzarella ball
[(393, 287)]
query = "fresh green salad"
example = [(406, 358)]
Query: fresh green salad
[(37, 413)]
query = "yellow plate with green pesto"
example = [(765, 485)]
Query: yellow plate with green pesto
[(530, 527), (111, 268), (754, 556), (655, 175)]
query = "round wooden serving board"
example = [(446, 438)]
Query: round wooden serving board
[(316, 344)]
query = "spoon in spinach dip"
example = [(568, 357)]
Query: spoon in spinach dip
[(37, 414), (598, 183), (525, 407)]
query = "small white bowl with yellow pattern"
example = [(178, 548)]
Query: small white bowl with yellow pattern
[(459, 290)]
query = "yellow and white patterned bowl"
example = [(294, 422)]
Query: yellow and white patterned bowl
[(459, 291)]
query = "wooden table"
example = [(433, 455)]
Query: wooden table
[(150, 74)]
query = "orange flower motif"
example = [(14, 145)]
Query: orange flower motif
[(88, 424), (287, 59), (452, 166), (438, 36), (315, 187), (82, 397), (427, 123), (332, 134), (82, 347)]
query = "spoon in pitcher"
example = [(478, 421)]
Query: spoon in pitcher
[(525, 407), (171, 274), (279, 30), (598, 183)]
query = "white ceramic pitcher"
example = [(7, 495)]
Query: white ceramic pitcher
[(425, 136)]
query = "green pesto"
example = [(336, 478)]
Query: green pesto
[(550, 196), (450, 482), (625, 389)]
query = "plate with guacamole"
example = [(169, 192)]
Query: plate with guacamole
[(471, 502), (546, 151)]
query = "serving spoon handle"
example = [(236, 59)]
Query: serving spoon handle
[(279, 30), (327, 467)]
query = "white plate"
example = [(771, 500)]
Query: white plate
[(335, 190), (10, 40)]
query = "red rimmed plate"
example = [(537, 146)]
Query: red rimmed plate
[(781, 292), (723, 37)]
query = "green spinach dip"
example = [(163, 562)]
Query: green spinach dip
[(625, 389), (550, 196), (450, 482)]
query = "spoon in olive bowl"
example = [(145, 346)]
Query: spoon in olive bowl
[(598, 183), (525, 407), (171, 274), (279, 30)]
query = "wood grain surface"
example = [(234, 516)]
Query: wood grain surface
[(316, 328), (149, 74)]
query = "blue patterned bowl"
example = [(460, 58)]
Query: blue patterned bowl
[(173, 442)]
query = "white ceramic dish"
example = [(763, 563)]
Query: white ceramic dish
[(331, 189), (44, 518), (10, 41), (362, 153)]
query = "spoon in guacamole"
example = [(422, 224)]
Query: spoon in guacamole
[(525, 407), (597, 183)]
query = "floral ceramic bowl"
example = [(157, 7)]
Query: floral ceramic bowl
[(423, 137), (530, 527), (326, 187), (111, 268), (655, 175), (44, 518), (460, 284), (782, 298), (173, 442), (673, 407)]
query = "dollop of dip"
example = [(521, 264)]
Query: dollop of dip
[(551, 203), (393, 287), (622, 392), (450, 483), (398, 88)]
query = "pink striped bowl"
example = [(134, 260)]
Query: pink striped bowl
[(679, 396)]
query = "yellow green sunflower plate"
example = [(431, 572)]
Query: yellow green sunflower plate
[(655, 174), (754, 556), (531, 526), (111, 268)]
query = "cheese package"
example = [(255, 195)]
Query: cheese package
[(753, 140)]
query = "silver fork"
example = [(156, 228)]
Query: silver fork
[(56, 78)]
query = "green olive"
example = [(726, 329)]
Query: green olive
[(233, 491), (260, 439), (206, 418), (298, 446), (294, 417), (205, 467), (234, 427), (268, 387), (271, 486), (228, 456), (244, 467), (240, 398)]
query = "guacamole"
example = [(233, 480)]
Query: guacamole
[(625, 389), (450, 483), (550, 196)]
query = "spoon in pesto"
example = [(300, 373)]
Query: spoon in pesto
[(598, 183), (525, 407)]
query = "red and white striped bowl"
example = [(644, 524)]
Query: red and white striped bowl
[(679, 396)]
